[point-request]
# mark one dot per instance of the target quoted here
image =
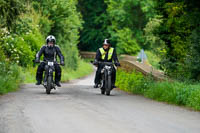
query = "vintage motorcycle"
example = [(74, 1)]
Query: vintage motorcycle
[(106, 77), (48, 81)]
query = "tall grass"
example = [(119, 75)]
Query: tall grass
[(153, 59), (179, 93), (83, 69), (10, 80)]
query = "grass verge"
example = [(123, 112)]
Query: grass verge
[(11, 76), (9, 79), (84, 69), (178, 93)]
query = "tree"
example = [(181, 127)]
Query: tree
[(65, 23), (178, 30), (9, 11), (95, 24)]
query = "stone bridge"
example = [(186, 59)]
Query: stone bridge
[(130, 63)]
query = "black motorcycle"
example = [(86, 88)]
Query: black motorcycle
[(106, 77), (48, 81)]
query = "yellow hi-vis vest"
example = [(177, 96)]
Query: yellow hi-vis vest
[(103, 53)]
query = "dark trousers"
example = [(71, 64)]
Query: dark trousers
[(41, 68), (98, 75)]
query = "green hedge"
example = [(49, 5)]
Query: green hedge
[(9, 82), (9, 75), (179, 93)]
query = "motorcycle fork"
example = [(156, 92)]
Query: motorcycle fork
[(48, 72), (104, 77)]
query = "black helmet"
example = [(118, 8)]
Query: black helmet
[(51, 38), (106, 41)]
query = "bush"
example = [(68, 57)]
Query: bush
[(45, 25), (9, 75), (22, 49), (194, 99), (163, 91), (10, 81), (71, 56), (126, 42), (131, 82), (21, 45), (153, 59)]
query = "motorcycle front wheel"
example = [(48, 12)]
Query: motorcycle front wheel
[(109, 85), (49, 85)]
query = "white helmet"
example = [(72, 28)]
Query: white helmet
[(51, 38), (106, 41)]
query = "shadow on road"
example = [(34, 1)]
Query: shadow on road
[(68, 89)]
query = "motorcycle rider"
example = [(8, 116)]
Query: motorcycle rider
[(105, 54), (50, 51)]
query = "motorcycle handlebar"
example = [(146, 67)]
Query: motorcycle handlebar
[(106, 63), (45, 62), (100, 62)]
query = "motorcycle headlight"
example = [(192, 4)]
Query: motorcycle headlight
[(108, 67)]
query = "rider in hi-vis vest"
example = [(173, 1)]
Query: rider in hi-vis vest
[(105, 54)]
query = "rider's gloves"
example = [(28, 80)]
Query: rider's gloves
[(95, 62), (37, 60), (62, 63), (117, 64)]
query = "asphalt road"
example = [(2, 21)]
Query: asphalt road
[(77, 107)]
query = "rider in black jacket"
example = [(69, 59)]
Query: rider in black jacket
[(105, 54), (50, 52)]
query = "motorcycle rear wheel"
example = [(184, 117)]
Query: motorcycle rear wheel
[(102, 92)]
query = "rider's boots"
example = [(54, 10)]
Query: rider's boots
[(96, 85), (38, 82), (113, 86), (58, 83)]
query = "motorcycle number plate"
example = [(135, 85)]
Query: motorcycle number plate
[(50, 63)]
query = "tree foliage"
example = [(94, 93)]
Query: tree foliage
[(26, 24), (95, 27), (114, 19), (9, 11), (64, 23), (178, 31), (169, 28)]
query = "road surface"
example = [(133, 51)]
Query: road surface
[(77, 107)]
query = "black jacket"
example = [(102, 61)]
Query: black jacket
[(50, 53), (114, 57)]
